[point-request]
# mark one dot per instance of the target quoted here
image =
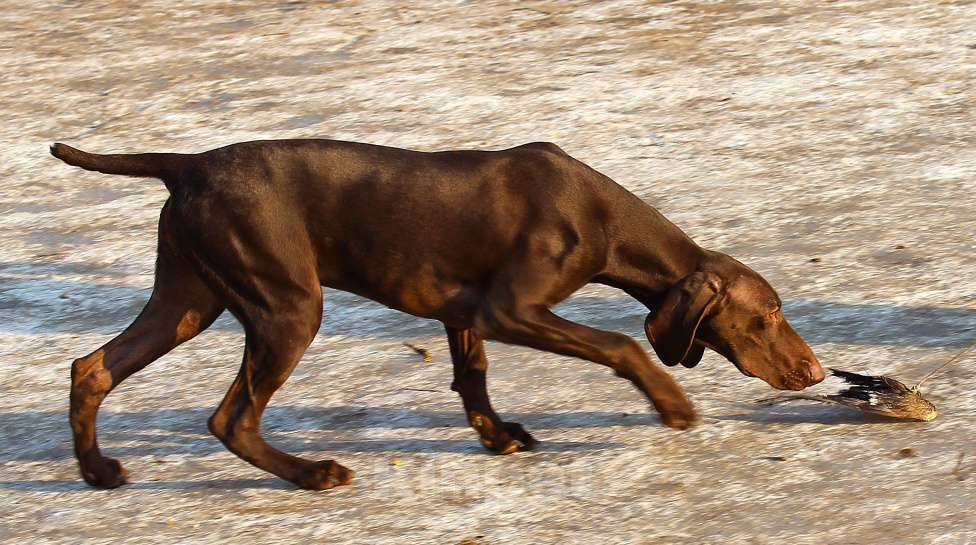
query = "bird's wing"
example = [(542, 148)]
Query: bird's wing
[(874, 394), (863, 384)]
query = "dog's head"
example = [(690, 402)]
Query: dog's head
[(729, 308)]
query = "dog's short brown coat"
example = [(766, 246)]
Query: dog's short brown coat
[(484, 241)]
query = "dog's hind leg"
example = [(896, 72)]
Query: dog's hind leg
[(470, 367), (276, 339), (180, 307)]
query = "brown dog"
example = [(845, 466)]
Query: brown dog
[(485, 242)]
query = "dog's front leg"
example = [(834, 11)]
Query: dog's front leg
[(470, 367), (537, 327)]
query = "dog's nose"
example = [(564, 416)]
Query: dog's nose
[(816, 371)]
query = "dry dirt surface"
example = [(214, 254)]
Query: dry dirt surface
[(830, 145)]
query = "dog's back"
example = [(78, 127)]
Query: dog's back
[(414, 230)]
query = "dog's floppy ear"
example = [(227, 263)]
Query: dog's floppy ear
[(672, 326)]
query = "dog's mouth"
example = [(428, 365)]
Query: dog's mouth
[(797, 379), (789, 384), (794, 380)]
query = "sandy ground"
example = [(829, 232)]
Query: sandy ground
[(777, 132)]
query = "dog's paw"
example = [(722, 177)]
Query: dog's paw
[(324, 475), (518, 433), (680, 418), (509, 438), (105, 473)]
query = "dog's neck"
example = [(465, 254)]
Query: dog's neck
[(649, 255)]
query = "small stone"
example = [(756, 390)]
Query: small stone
[(654, 140), (907, 453), (815, 260)]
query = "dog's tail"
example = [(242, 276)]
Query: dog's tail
[(164, 166)]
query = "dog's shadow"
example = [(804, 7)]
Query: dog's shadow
[(33, 436), (44, 435)]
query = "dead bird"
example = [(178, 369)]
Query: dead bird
[(879, 395)]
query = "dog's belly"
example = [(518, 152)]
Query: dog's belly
[(434, 262), (421, 292)]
